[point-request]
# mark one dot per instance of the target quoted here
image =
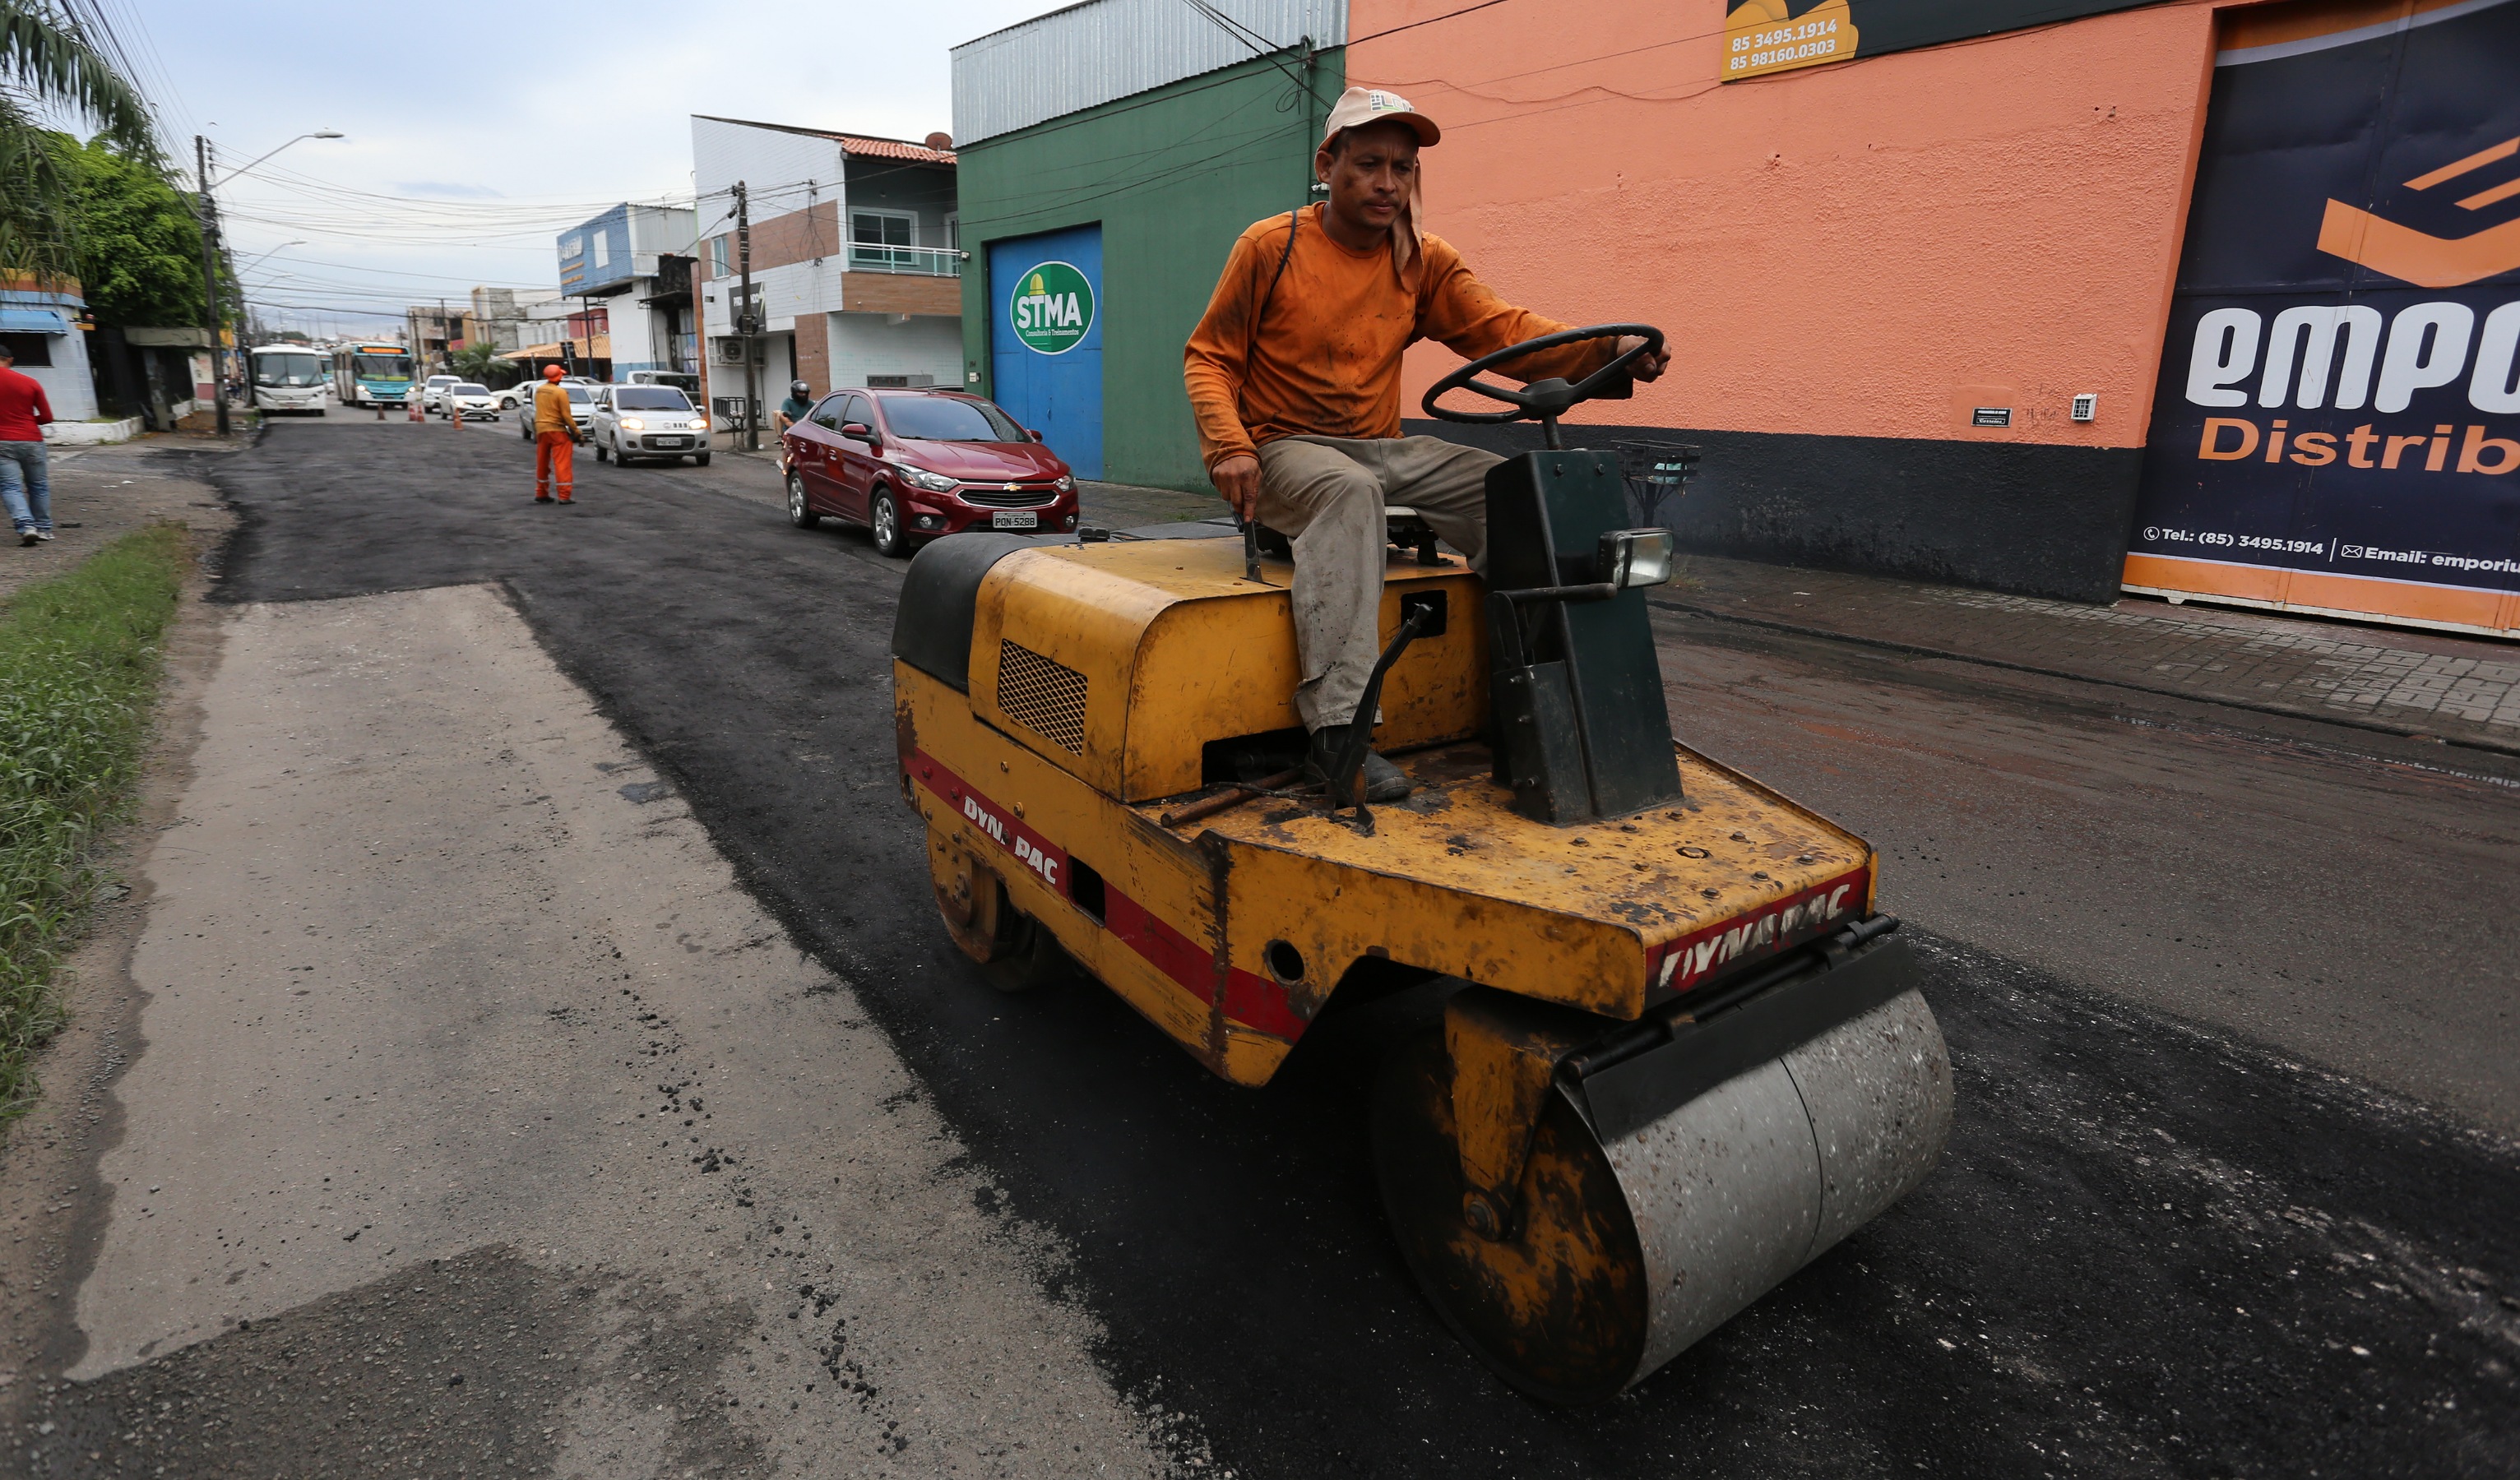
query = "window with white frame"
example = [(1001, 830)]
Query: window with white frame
[(884, 240), (717, 256)]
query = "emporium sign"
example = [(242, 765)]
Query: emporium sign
[(1052, 308), (1762, 36), (2340, 391)]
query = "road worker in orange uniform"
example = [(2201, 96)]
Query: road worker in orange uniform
[(556, 439), (1294, 379)]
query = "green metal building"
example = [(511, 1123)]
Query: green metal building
[(1141, 192)]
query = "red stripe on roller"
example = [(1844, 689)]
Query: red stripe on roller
[(1046, 860), (1258, 1002), (1253, 1001)]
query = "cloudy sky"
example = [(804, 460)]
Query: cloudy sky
[(489, 128)]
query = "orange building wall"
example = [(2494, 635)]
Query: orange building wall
[(1868, 248)]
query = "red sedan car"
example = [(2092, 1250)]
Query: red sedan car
[(913, 465)]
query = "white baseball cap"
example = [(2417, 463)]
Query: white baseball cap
[(1360, 106)]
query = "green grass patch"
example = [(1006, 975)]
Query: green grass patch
[(79, 664)]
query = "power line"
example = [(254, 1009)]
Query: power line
[(442, 277), (1411, 25), (1258, 45), (2041, 18)]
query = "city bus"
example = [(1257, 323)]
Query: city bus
[(371, 375), (285, 378)]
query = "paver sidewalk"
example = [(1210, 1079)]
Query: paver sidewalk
[(2456, 688)]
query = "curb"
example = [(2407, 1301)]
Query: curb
[(1919, 650)]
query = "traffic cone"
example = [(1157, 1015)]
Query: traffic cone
[(414, 403)]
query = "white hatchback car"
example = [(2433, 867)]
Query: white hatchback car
[(648, 422), (472, 402), (433, 391)]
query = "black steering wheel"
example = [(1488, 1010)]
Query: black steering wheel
[(1546, 399)]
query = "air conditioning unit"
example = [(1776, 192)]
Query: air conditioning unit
[(726, 350), (901, 381)]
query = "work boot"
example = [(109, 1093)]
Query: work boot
[(542, 498), (1383, 781)]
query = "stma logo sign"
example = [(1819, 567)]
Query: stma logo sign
[(1052, 309), (2341, 388)]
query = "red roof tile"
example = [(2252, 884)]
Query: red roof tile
[(865, 146)]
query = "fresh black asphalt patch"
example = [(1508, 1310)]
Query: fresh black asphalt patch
[(2151, 1249)]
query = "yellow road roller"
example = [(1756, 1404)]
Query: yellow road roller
[(1681, 1051)]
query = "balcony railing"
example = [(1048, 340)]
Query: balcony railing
[(933, 261)]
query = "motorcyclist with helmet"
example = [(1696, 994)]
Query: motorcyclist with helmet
[(794, 409)]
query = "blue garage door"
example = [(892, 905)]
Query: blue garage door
[(1045, 340)]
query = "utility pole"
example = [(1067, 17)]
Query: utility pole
[(748, 320), (210, 278)]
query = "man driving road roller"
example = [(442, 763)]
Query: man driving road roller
[(1294, 379)]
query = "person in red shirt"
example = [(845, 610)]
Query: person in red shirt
[(25, 482)]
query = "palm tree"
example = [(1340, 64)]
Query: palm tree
[(482, 363), (48, 61)]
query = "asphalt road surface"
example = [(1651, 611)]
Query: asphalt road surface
[(2230, 1190)]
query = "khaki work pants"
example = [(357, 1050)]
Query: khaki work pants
[(1327, 495)]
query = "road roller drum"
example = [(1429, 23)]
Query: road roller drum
[(1631, 1235)]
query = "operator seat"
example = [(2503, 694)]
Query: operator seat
[(1402, 525)]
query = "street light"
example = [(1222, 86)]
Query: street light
[(321, 133), (210, 249), (257, 258)]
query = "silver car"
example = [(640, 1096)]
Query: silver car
[(648, 422)]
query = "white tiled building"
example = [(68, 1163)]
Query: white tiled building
[(855, 256)]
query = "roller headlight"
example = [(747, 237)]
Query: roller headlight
[(633, 424), (933, 482), (1066, 484), (1629, 558)]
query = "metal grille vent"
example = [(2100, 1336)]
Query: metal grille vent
[(998, 496), (1043, 695)]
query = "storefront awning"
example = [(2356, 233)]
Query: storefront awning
[(32, 321)]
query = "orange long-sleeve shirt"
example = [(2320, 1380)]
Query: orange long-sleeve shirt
[(550, 409), (1326, 360)]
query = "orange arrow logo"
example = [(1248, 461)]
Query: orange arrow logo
[(2420, 258)]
